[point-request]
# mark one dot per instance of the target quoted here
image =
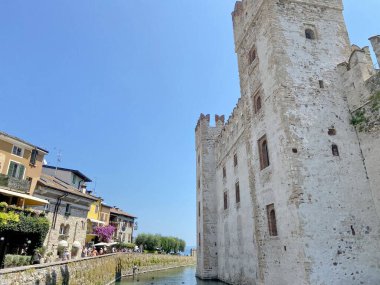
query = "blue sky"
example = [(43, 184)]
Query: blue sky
[(117, 86)]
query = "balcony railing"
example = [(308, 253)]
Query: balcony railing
[(14, 183)]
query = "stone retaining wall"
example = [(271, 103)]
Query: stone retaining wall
[(98, 270)]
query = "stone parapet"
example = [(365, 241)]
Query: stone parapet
[(92, 270)]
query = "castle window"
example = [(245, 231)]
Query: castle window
[(271, 215), (335, 150), (199, 239), (225, 200), (252, 55), (237, 192), (199, 209), (235, 160), (199, 183), (321, 84), (199, 158), (310, 34), (331, 132), (263, 152), (257, 103), (224, 172)]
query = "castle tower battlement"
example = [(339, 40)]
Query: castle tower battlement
[(284, 193), (375, 41)]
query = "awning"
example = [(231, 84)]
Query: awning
[(96, 221), (29, 200)]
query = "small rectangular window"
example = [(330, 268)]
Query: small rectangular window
[(263, 152), (68, 209), (335, 150), (252, 55), (235, 160), (199, 209), (257, 102), (237, 192), (321, 84), (74, 179), (16, 150), (225, 200), (224, 172), (272, 224), (199, 183)]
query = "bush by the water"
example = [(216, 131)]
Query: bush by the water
[(153, 243), (13, 260)]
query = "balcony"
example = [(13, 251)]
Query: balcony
[(14, 183)]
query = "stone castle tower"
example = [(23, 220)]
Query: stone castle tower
[(284, 194)]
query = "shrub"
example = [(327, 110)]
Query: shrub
[(13, 260), (358, 117), (3, 205)]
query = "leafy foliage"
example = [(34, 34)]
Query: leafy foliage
[(105, 233), (152, 242), (10, 217), (375, 101), (12, 260), (25, 224), (358, 117)]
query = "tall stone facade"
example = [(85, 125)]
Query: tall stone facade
[(286, 188)]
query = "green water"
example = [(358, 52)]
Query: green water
[(178, 276)]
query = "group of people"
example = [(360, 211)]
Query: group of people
[(92, 251)]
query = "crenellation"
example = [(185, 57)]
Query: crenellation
[(375, 41), (279, 170)]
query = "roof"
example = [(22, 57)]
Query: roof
[(77, 172), (105, 205), (22, 141), (121, 213), (57, 184)]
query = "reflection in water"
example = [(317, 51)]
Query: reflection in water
[(184, 275)]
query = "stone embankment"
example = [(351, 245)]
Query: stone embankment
[(98, 270)]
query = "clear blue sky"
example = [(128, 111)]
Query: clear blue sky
[(118, 86)]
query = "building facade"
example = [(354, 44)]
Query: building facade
[(287, 189), (124, 224), (20, 168), (67, 213)]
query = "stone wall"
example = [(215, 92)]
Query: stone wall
[(325, 216), (99, 270)]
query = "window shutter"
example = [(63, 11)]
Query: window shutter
[(33, 157), (21, 172), (11, 168)]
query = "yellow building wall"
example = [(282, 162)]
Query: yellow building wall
[(93, 213), (32, 172)]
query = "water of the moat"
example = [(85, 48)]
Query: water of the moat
[(178, 276)]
